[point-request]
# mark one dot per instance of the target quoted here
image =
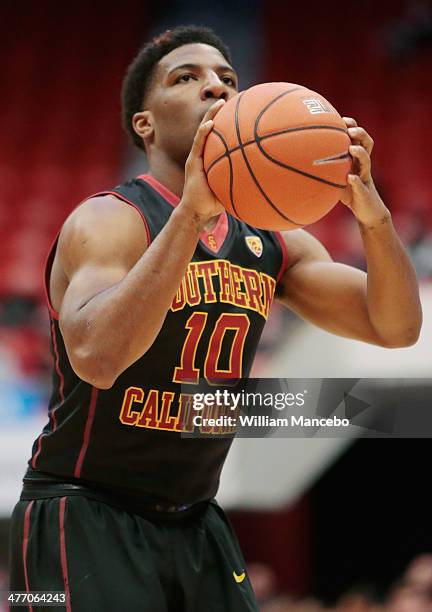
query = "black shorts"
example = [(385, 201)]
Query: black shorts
[(108, 560)]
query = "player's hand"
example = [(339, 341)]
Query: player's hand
[(197, 196), (361, 195)]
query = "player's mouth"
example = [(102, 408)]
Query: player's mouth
[(202, 115)]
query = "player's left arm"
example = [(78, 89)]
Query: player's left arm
[(381, 307)]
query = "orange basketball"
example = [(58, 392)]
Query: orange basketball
[(277, 157)]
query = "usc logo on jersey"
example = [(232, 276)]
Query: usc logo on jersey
[(212, 242)]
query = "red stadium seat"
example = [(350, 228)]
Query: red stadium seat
[(70, 145), (391, 100)]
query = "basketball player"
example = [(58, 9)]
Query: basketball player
[(152, 287)]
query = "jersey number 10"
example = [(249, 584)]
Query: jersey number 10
[(187, 372)]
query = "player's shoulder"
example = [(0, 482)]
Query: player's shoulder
[(102, 224), (303, 246), (102, 214), (103, 209)]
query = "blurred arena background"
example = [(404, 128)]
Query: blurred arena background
[(321, 522)]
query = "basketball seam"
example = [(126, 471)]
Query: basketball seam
[(270, 135), (249, 167), (279, 163), (331, 158), (293, 169)]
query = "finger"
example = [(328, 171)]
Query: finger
[(200, 138), (357, 185), (364, 162), (204, 129), (350, 122), (213, 110), (360, 136)]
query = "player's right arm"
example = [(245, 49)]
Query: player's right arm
[(119, 288)]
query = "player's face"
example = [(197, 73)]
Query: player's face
[(187, 82)]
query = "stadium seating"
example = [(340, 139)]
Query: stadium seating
[(60, 123), (350, 62)]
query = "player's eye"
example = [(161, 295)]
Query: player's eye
[(184, 78), (229, 81)]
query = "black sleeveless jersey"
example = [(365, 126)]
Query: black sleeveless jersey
[(131, 437)]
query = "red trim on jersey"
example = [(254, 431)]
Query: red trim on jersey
[(61, 393), (57, 364), (87, 432), (168, 195), (217, 235), (284, 263), (26, 534), (47, 272), (51, 253), (36, 455), (63, 557)]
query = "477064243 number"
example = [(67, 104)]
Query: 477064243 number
[(27, 598)]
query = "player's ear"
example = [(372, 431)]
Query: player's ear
[(142, 123)]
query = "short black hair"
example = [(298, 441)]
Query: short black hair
[(139, 74)]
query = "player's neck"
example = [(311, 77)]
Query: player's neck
[(167, 172), (172, 177)]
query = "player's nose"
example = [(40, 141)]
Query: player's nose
[(214, 88)]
